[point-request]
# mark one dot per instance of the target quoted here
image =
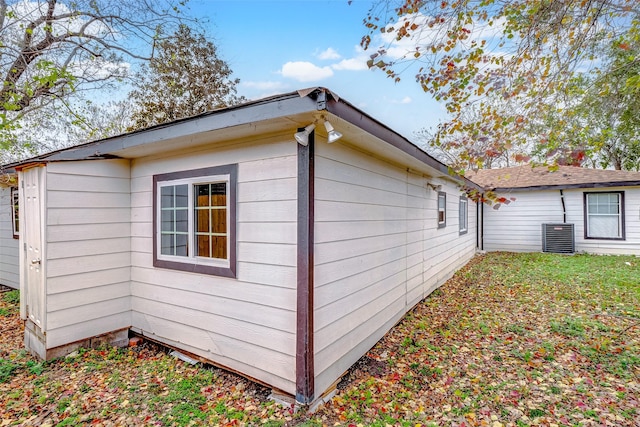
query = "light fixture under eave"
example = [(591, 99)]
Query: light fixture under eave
[(303, 136), (332, 134), (434, 187)]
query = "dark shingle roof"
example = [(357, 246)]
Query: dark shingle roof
[(527, 176)]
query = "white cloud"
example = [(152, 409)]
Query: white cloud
[(405, 100), (352, 64), (328, 54), (305, 71)]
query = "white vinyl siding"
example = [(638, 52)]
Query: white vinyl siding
[(246, 323), (378, 252), (9, 255), (517, 226), (88, 245)]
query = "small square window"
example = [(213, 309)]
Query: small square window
[(195, 220), (442, 209)]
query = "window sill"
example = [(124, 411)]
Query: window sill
[(196, 268)]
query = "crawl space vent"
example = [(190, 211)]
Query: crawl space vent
[(558, 238)]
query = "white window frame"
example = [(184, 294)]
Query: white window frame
[(620, 215), (191, 262), (464, 215), (442, 196), (191, 209), (15, 209)]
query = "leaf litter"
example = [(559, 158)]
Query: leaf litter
[(511, 340)]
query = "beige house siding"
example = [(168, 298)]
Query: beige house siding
[(87, 249), (245, 323), (378, 251)]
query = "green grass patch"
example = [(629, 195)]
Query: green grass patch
[(11, 297), (7, 369), (571, 327)]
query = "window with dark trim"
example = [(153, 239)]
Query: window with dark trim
[(442, 209), (463, 217), (15, 212), (604, 215), (195, 220)]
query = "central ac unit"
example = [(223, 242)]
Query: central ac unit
[(558, 238)]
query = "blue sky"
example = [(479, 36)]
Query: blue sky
[(280, 46)]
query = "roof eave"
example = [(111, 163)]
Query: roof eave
[(632, 183), (289, 104), (351, 114)]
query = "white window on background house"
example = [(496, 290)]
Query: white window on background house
[(442, 209), (195, 220), (604, 215), (464, 214), (15, 212)]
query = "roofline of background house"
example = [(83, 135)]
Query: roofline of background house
[(632, 183)]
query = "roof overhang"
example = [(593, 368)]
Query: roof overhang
[(274, 115), (569, 186)]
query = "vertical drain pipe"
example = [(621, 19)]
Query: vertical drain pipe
[(564, 208)]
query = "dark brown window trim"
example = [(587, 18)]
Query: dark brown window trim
[(232, 171), (586, 219), (442, 224)]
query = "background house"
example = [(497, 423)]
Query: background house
[(222, 236), (602, 205), (9, 231)]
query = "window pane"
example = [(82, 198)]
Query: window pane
[(202, 222), (202, 195), (16, 210), (219, 220), (463, 214), (220, 247), (181, 245), (219, 194), (182, 196), (166, 199), (167, 220), (182, 220), (603, 226), (167, 245), (203, 246), (211, 219)]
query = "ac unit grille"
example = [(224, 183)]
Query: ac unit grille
[(558, 238)]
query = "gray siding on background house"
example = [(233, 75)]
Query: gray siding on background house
[(9, 256), (378, 251), (517, 227), (88, 244), (247, 324)]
